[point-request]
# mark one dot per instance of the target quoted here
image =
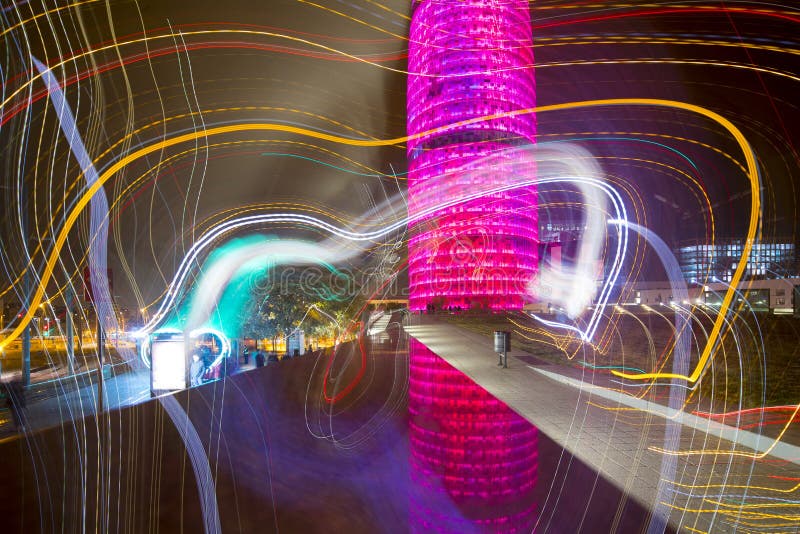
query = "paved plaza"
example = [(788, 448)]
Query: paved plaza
[(621, 437)]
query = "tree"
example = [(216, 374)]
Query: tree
[(284, 298)]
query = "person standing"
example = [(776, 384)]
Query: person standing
[(246, 355), (196, 370), (259, 359)]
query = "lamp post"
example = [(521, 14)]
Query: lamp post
[(27, 288), (41, 325), (69, 333)]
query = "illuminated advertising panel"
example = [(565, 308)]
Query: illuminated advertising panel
[(168, 367)]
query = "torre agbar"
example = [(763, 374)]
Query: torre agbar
[(469, 59)]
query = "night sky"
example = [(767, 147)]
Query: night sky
[(338, 67)]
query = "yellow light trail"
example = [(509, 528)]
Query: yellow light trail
[(356, 58), (737, 486), (752, 174), (154, 124), (752, 455), (649, 134), (46, 14), (623, 39), (669, 61), (735, 513)]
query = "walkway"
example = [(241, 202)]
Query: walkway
[(619, 435), (75, 397), (67, 397)]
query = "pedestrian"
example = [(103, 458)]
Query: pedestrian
[(206, 356), (196, 370), (15, 402), (259, 359), (246, 355)]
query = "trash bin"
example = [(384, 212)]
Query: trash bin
[(502, 344), (502, 341)]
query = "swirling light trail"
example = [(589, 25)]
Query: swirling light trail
[(752, 175)]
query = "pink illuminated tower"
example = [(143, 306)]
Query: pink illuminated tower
[(469, 59)]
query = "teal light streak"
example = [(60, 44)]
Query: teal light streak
[(240, 289)]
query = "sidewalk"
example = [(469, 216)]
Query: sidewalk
[(723, 491), (56, 395), (50, 362), (74, 397)]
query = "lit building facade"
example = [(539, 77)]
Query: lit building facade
[(702, 262), (558, 232), (469, 59)]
